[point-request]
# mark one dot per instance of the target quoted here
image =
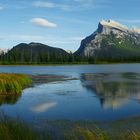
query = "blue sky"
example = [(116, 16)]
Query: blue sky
[(60, 23)]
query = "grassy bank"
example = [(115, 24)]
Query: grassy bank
[(12, 84)]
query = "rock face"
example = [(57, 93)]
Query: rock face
[(111, 40)]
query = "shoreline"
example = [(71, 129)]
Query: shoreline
[(73, 64)]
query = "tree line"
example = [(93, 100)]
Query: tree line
[(25, 57)]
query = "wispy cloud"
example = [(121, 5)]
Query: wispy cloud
[(71, 5), (26, 37), (1, 8), (129, 20), (46, 4), (55, 40), (43, 22), (22, 37)]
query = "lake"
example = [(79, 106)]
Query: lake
[(92, 92)]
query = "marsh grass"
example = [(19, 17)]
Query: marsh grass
[(98, 134), (80, 133), (12, 84), (13, 130), (16, 130)]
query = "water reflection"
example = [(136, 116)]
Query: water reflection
[(9, 99), (113, 90)]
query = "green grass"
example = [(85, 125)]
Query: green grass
[(12, 84)]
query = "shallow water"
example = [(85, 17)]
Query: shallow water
[(98, 92)]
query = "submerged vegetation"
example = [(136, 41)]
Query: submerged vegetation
[(16, 130), (13, 130), (12, 84)]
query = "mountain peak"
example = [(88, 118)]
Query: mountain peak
[(110, 40), (34, 44), (113, 24)]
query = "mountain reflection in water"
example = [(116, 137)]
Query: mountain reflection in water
[(113, 90)]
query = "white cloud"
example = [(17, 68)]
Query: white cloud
[(43, 22)]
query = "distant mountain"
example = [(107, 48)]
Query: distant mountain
[(112, 41), (3, 50), (35, 53)]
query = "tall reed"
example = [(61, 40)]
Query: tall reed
[(12, 84)]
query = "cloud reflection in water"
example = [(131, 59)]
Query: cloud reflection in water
[(43, 107)]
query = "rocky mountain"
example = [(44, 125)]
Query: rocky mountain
[(111, 41), (35, 53)]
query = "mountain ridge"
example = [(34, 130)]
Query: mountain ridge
[(111, 42)]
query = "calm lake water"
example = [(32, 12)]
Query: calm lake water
[(95, 92)]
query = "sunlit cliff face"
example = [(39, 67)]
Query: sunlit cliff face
[(113, 90)]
